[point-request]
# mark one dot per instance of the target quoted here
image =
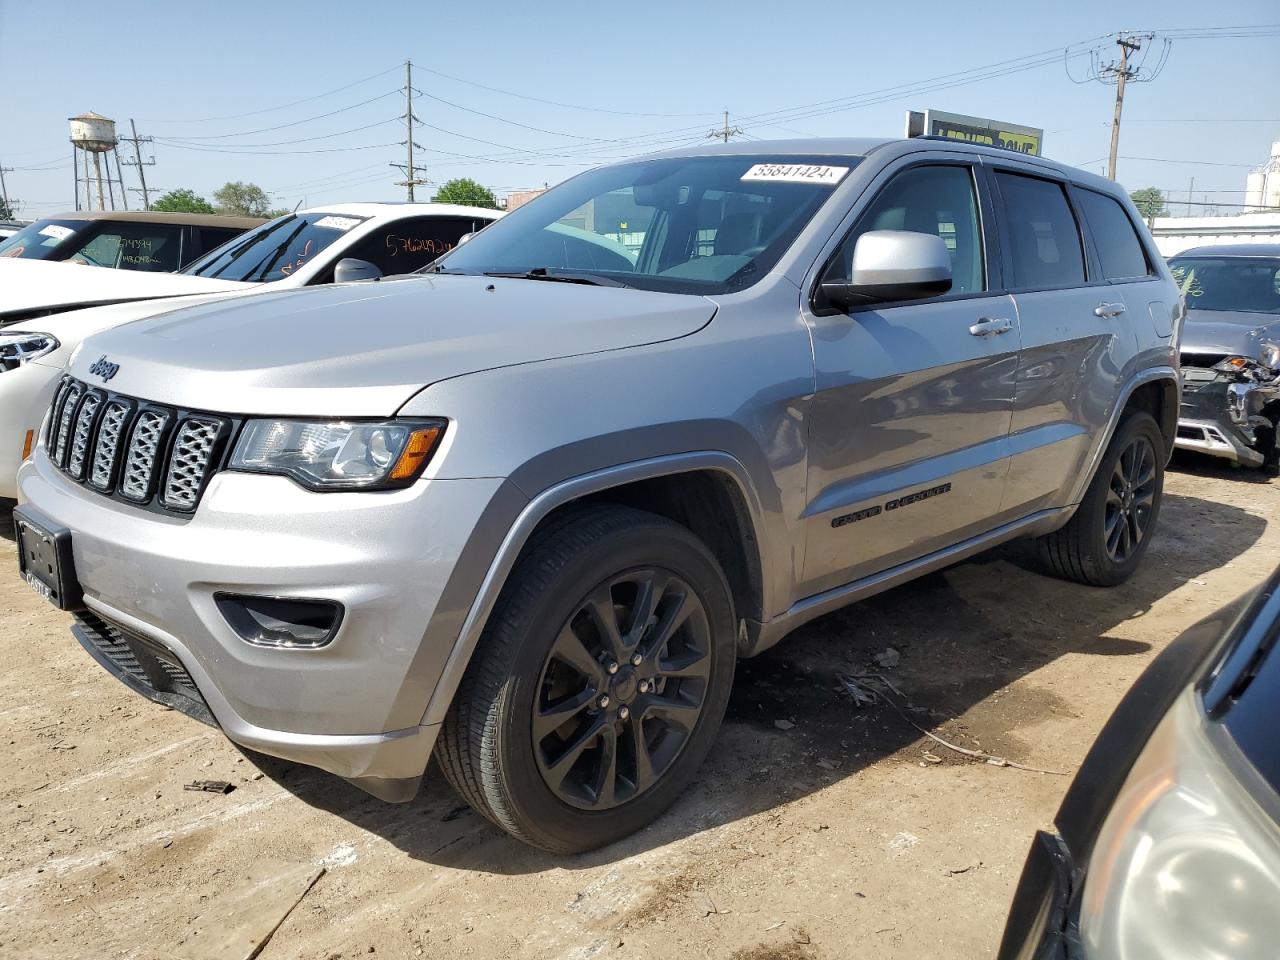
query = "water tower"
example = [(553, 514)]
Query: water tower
[(93, 135)]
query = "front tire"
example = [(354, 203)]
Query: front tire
[(1107, 537), (599, 683)]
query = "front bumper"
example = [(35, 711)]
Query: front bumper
[(25, 395), (1224, 419), (1042, 922), (353, 707)]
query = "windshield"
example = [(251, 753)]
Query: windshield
[(37, 241), (680, 225), (1243, 284), (274, 250)]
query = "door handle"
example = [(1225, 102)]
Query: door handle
[(1108, 310), (990, 326)]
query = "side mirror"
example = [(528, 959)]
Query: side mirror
[(893, 265), (349, 269), (465, 237)]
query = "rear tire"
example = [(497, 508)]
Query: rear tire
[(1105, 540), (599, 682)]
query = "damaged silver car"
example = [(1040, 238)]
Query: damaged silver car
[(1231, 352)]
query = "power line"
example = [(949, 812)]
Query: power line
[(555, 103), (282, 126), (294, 103), (277, 153), (282, 143)]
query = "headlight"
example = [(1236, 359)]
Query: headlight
[(338, 455), (1270, 356), (1244, 368), (1187, 863), (17, 348)]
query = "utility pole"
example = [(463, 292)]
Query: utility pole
[(411, 178), (725, 133), (1191, 188), (138, 162), (4, 191), (1122, 73), (1130, 68)]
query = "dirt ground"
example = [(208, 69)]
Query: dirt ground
[(838, 832)]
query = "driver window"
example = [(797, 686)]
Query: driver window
[(940, 200)]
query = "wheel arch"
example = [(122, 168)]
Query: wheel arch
[(708, 492), (1155, 390)]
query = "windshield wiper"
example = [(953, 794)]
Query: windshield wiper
[(544, 273)]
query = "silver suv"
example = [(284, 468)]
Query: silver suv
[(525, 511)]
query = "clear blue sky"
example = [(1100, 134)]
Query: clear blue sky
[(173, 66)]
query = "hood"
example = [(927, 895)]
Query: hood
[(27, 286), (363, 349), (1228, 331), (72, 326)]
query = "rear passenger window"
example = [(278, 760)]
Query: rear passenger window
[(1044, 240), (1118, 245), (154, 248)]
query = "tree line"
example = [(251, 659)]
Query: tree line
[(240, 199)]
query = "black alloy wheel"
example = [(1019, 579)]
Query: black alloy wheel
[(622, 688), (1110, 530), (599, 683), (1130, 499)]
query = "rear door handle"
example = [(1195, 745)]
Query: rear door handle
[(1108, 310), (990, 326)]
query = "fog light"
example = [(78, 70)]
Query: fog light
[(280, 621)]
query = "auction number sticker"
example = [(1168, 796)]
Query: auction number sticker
[(337, 223), (55, 231), (796, 173)]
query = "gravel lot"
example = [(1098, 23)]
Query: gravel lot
[(839, 832)]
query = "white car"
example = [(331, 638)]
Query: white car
[(41, 320), (296, 250)]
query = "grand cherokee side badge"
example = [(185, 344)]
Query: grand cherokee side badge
[(104, 368)]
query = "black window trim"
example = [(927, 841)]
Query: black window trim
[(1138, 231), (1092, 271), (987, 233)]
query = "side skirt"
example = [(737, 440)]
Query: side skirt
[(762, 636)]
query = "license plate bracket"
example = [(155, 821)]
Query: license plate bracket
[(45, 560)]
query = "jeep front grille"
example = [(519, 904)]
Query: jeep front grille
[(189, 462), (107, 450), (144, 450), (129, 449)]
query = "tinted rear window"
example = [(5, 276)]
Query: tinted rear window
[(1114, 235), (1044, 240)]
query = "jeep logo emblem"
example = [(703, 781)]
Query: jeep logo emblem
[(104, 368)]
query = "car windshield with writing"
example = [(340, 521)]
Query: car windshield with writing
[(703, 225), (39, 240), (1240, 284), (275, 250)]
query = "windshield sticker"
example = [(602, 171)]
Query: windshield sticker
[(796, 173), (337, 223), (55, 231)]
